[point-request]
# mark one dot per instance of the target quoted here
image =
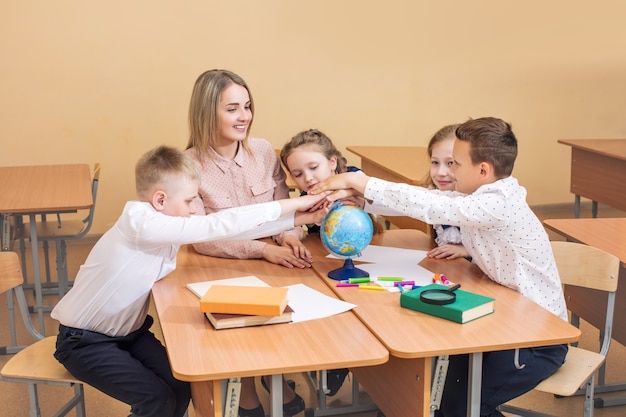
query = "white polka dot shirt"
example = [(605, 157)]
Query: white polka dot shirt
[(501, 233)]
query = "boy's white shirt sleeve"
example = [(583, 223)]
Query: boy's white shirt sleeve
[(246, 222), (438, 207), (375, 207)]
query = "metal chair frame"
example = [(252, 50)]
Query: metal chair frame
[(588, 267), (35, 364)]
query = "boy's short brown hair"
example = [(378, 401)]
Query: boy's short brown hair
[(491, 140), (157, 164)]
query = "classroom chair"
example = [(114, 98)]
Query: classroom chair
[(59, 231), (35, 364), (588, 267)]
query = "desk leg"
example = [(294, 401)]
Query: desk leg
[(399, 387), (475, 384), (36, 272), (207, 398), (576, 206), (276, 399), (5, 230)]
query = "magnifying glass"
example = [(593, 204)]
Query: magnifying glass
[(441, 296)]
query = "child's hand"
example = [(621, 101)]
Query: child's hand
[(354, 201), (448, 252), (312, 202), (347, 181), (347, 197), (312, 217)]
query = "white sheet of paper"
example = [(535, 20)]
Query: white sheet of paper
[(407, 271), (388, 255), (200, 288), (310, 304)]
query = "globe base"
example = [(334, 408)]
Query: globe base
[(347, 271)]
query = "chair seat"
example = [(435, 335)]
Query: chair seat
[(579, 364), (50, 230), (36, 362)]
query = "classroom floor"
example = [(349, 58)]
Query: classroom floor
[(14, 397)]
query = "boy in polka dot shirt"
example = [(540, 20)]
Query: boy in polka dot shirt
[(502, 235)]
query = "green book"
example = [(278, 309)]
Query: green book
[(467, 306)]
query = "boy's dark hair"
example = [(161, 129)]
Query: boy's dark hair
[(491, 140)]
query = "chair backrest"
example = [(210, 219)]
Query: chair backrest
[(94, 193), (11, 279), (10, 271), (585, 266), (88, 220), (589, 267)]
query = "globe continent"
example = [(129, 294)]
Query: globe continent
[(346, 230)]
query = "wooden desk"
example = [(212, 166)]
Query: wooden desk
[(598, 172), (32, 190), (414, 339), (609, 235), (202, 355), (405, 164)]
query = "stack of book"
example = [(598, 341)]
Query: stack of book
[(242, 302)]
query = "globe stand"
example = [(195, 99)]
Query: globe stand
[(347, 271)]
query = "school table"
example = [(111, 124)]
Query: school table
[(415, 339), (205, 356), (33, 190), (598, 172), (405, 164), (608, 234)]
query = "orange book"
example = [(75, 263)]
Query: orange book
[(251, 300), (230, 321)]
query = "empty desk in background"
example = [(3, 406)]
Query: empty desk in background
[(598, 172), (414, 339), (405, 164), (33, 190), (205, 356), (608, 234)]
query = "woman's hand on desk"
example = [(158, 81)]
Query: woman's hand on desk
[(284, 255)]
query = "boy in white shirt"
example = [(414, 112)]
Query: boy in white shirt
[(502, 235), (104, 337)]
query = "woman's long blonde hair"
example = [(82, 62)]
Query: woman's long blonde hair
[(203, 106)]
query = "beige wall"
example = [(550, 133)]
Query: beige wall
[(105, 81)]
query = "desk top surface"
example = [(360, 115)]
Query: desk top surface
[(198, 353), (410, 162), (603, 233), (28, 189), (614, 148), (516, 322)]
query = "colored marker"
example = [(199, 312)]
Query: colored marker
[(390, 279), (358, 280), (372, 287), (414, 287), (401, 288), (345, 284), (401, 283)]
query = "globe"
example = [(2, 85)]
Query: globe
[(345, 231)]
